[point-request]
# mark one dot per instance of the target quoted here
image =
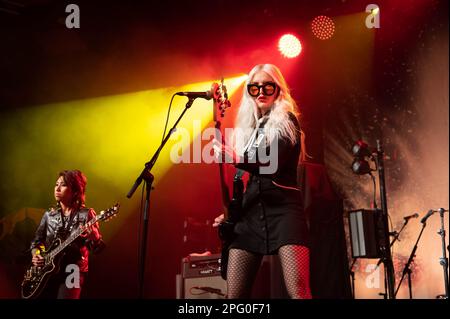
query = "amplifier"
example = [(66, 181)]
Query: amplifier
[(201, 266), (200, 278)]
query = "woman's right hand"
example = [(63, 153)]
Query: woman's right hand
[(219, 220), (37, 260)]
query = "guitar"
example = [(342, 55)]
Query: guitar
[(226, 228), (36, 278), (231, 207)]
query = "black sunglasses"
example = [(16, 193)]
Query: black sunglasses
[(268, 88)]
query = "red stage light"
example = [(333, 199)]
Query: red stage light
[(289, 46), (322, 27)]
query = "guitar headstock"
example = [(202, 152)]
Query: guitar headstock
[(220, 96), (105, 215)]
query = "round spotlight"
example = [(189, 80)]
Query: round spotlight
[(289, 46), (360, 167), (361, 149), (322, 27)]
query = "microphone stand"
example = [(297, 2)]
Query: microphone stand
[(443, 260), (148, 178), (352, 274), (407, 270), (384, 240), (374, 205), (396, 235)]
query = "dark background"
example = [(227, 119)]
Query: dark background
[(347, 88)]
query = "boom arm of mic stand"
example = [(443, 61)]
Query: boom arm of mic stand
[(394, 240), (411, 257), (145, 174), (149, 165)]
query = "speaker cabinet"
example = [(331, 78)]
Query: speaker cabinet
[(213, 287)]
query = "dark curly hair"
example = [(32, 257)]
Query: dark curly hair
[(76, 181)]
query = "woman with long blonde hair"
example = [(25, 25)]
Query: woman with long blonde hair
[(267, 144)]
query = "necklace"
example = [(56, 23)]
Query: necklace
[(65, 220)]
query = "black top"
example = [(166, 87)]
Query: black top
[(283, 152), (272, 214)]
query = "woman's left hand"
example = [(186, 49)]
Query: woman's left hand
[(86, 232), (218, 220), (225, 152)]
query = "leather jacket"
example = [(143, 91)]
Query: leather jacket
[(53, 225)]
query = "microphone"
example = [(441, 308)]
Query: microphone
[(424, 219), (406, 218), (193, 95)]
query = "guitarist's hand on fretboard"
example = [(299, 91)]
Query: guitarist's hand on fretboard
[(86, 232)]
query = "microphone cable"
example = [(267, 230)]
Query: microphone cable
[(167, 118)]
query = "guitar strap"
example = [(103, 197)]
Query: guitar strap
[(253, 144), (256, 138)]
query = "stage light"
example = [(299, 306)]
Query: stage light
[(361, 149), (322, 27), (289, 46), (361, 167), (121, 138)]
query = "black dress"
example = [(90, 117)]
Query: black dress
[(272, 214)]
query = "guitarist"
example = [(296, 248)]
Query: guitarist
[(272, 220), (70, 212)]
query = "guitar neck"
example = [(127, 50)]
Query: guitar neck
[(224, 186), (74, 235), (221, 102)]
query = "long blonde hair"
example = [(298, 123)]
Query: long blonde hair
[(278, 123)]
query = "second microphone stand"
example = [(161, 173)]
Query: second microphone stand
[(443, 260), (396, 236), (407, 270), (384, 240)]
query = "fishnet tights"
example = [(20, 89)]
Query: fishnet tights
[(295, 264), (243, 267)]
